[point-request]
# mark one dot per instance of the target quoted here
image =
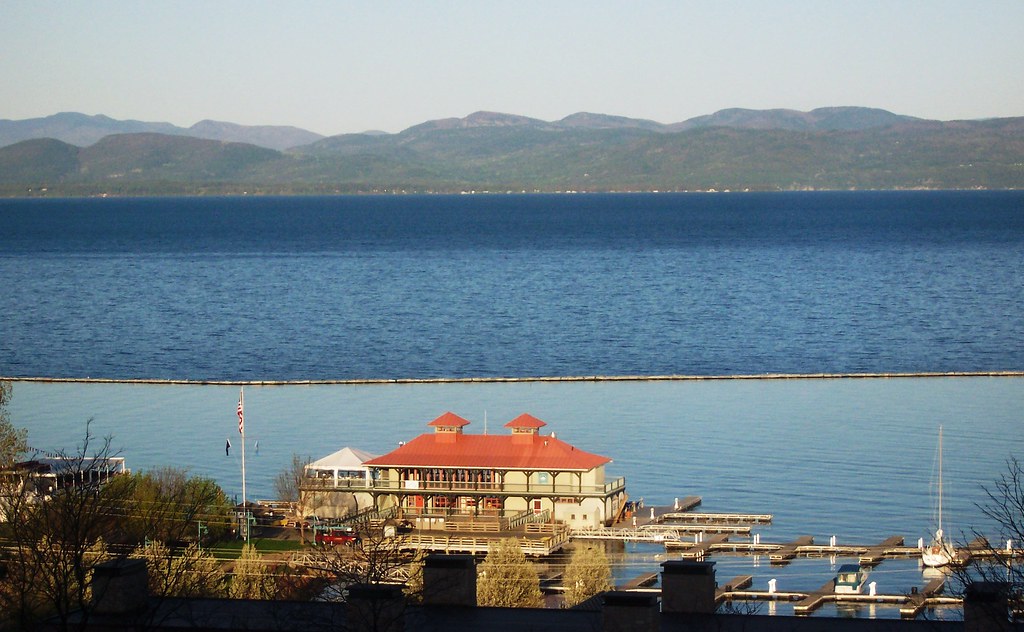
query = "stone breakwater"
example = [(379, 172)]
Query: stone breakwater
[(499, 380)]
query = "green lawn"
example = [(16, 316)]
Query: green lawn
[(233, 548)]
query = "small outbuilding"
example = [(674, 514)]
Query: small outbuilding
[(344, 465)]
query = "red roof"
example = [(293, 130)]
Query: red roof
[(523, 452), (526, 420), (449, 420)]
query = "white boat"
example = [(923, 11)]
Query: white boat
[(940, 552), (851, 579)]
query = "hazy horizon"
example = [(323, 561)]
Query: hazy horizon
[(460, 116), (348, 67)]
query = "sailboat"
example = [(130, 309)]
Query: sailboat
[(940, 552)]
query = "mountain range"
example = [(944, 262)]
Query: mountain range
[(734, 149), (84, 130)]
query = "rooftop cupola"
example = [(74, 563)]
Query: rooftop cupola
[(448, 425), (525, 426)]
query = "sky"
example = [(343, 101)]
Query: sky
[(336, 66)]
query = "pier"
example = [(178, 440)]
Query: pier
[(788, 551), (715, 518), (699, 535), (874, 555), (700, 549), (910, 606), (676, 526), (916, 601)]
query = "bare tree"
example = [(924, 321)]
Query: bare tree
[(289, 481), (996, 562), (288, 487), (87, 511), (56, 538), (377, 555)]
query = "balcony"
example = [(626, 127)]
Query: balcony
[(462, 487)]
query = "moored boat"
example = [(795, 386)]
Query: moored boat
[(851, 579), (940, 552)]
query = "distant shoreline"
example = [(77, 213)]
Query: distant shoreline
[(313, 194), (510, 380)]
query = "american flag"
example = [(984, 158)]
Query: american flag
[(241, 414)]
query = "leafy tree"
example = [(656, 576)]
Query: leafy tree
[(587, 574), (506, 579), (169, 506), (189, 572), (13, 441), (252, 578), (414, 577)]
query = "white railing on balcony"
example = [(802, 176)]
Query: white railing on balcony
[(354, 484)]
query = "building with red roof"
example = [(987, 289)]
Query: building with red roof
[(449, 474)]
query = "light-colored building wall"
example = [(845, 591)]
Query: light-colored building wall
[(515, 478), (515, 504), (594, 476), (589, 513)]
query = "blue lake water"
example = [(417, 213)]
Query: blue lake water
[(446, 286), (854, 458), (478, 286)]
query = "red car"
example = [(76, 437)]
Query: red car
[(331, 537)]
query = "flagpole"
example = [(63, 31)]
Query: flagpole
[(241, 430)]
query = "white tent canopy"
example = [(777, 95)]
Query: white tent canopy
[(346, 463)]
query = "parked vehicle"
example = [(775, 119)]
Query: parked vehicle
[(335, 536)]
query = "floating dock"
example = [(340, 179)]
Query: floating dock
[(700, 535), (715, 518), (910, 606), (788, 551), (916, 601)]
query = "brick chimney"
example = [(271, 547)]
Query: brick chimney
[(687, 587), (449, 580), (120, 587), (376, 608), (626, 611)]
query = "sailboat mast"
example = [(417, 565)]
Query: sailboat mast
[(940, 479), (241, 431)]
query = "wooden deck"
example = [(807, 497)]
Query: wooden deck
[(536, 546)]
